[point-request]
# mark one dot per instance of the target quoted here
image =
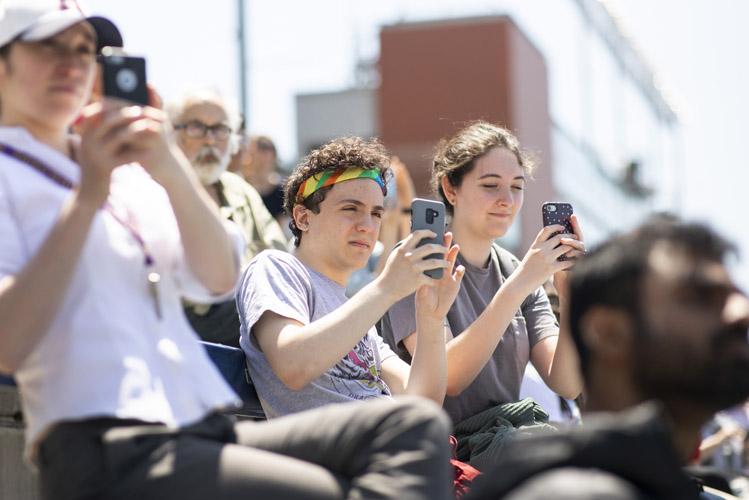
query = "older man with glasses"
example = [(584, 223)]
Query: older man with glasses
[(204, 126)]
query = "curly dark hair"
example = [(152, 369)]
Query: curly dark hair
[(456, 156), (339, 153)]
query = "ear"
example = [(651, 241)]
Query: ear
[(449, 190), (609, 335), (301, 215)]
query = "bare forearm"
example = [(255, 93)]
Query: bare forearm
[(208, 247), (713, 443), (30, 301), (304, 353), (468, 353), (428, 374)]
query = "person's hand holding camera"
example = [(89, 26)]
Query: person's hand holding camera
[(404, 270), (105, 145), (542, 259), (114, 133), (576, 245), (433, 301)]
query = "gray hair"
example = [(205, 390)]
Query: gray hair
[(175, 108)]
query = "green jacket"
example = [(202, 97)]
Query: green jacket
[(242, 204)]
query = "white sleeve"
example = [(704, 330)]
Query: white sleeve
[(12, 254), (190, 286)]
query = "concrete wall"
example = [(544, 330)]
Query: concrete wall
[(322, 117)]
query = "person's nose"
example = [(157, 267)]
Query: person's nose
[(367, 223), (736, 310), (210, 136), (504, 196)]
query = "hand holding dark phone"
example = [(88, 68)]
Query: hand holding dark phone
[(430, 214), (123, 76), (558, 213)]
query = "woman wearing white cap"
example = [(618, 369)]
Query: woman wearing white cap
[(100, 236)]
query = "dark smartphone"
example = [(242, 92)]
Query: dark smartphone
[(557, 213), (123, 76), (429, 214)]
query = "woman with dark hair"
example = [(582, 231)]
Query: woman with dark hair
[(501, 318), (101, 236)]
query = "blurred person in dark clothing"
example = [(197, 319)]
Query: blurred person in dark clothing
[(656, 318)]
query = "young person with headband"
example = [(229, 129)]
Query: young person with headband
[(101, 236), (307, 344)]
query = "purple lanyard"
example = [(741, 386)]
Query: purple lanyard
[(63, 181)]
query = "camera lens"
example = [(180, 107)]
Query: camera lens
[(551, 208), (127, 80), (430, 215)]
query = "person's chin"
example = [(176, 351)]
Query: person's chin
[(359, 254), (497, 228), (208, 174)]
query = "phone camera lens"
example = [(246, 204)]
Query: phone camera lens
[(551, 208), (430, 215), (127, 80)]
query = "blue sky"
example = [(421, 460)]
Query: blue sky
[(696, 48)]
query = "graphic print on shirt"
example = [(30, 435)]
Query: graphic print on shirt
[(359, 370)]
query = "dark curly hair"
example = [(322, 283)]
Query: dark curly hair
[(339, 153), (456, 156)]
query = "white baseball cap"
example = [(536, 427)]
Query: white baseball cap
[(33, 20)]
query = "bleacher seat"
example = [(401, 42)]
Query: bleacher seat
[(5, 380), (232, 364)]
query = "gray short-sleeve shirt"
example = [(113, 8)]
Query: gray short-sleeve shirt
[(499, 381), (279, 282)]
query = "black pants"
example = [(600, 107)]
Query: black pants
[(376, 449)]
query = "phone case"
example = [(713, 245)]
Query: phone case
[(558, 213), (124, 77), (429, 214)]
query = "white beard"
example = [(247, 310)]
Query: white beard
[(209, 166)]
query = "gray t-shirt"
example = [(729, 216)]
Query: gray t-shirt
[(499, 381), (279, 282)]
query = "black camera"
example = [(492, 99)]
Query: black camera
[(123, 76)]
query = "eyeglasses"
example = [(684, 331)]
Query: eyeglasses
[(198, 130)]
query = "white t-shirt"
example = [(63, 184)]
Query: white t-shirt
[(107, 353)]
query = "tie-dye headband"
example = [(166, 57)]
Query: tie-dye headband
[(331, 177)]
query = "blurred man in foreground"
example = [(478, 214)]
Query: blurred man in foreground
[(656, 317)]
